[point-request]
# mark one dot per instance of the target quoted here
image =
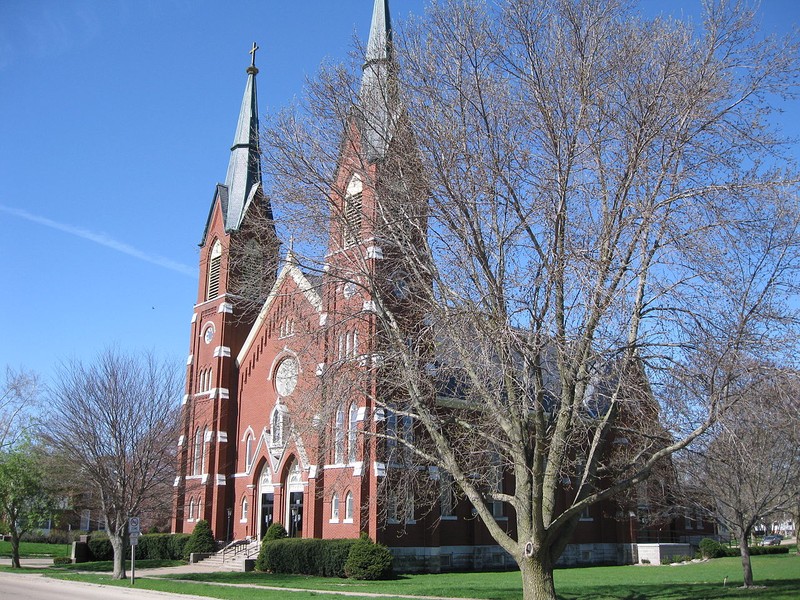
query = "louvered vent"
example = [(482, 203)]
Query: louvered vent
[(352, 218)]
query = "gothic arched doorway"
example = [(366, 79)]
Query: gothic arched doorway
[(266, 493), (294, 500)]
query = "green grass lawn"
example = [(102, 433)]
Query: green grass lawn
[(35, 550), (780, 574)]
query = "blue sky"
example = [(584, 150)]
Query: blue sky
[(116, 119)]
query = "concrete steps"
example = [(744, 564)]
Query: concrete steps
[(236, 557)]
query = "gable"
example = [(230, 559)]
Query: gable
[(292, 294)]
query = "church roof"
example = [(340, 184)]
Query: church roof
[(243, 179), (244, 167), (377, 101)]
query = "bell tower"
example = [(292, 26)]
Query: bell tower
[(238, 253)]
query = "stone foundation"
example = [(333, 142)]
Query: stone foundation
[(492, 558)]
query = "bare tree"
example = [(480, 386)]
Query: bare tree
[(116, 419), (17, 406), (593, 231), (749, 466)]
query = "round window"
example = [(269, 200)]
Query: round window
[(286, 376)]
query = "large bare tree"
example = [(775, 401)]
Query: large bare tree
[(116, 418), (595, 233)]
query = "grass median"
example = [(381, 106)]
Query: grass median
[(778, 578)]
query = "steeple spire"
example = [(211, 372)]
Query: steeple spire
[(244, 168), (380, 34), (377, 102)]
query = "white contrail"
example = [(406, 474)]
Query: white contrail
[(103, 240)]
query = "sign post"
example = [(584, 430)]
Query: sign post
[(133, 531)]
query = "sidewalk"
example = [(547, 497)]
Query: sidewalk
[(199, 568)]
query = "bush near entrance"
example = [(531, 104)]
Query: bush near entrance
[(201, 540), (368, 560), (305, 556)]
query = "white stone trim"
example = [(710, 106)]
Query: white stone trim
[(225, 307), (375, 252), (177, 481), (220, 479), (222, 436), (362, 413), (222, 351), (185, 399), (194, 317), (379, 468), (189, 360), (369, 306), (323, 319), (180, 440)]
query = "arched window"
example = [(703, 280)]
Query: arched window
[(214, 267), (352, 212), (245, 509), (248, 450), (352, 431), (348, 507), (206, 439), (197, 452), (191, 509), (338, 436), (279, 425), (335, 508)]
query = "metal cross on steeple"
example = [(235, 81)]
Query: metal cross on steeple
[(253, 52)]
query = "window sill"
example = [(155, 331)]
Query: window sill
[(334, 521), (242, 520), (347, 521)]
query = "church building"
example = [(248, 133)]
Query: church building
[(257, 446)]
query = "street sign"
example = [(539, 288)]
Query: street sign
[(133, 526), (134, 540)]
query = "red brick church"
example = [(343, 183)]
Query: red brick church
[(248, 454)]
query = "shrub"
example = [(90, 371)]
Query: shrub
[(100, 547), (156, 546), (368, 560), (62, 560), (201, 539), (305, 556), (756, 550), (711, 548), (276, 531), (177, 545)]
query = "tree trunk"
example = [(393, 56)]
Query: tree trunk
[(537, 579), (119, 556), (747, 568), (15, 549)]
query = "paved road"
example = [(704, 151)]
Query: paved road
[(18, 586)]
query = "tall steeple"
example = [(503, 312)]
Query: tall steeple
[(244, 168), (377, 100)]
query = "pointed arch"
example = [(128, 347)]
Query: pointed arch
[(214, 269), (352, 433)]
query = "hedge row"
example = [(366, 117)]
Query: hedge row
[(305, 556), (155, 546), (712, 549)]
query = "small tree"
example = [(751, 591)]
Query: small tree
[(201, 540), (749, 467), (17, 398), (25, 501), (116, 419)]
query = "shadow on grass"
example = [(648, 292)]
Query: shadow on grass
[(779, 589), (107, 566)]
